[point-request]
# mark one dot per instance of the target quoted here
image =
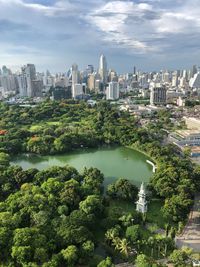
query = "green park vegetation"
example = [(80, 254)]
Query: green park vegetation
[(59, 217)]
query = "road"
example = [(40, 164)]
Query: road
[(190, 237)]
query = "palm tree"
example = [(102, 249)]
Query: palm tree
[(159, 241), (151, 243), (138, 244), (116, 243), (111, 234), (167, 228), (124, 247), (167, 243)]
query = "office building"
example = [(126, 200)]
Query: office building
[(30, 77), (112, 92), (195, 81), (157, 94), (103, 69), (77, 90), (22, 82)]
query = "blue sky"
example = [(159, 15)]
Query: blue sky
[(53, 34)]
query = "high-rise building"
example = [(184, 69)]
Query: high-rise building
[(6, 71), (195, 81), (183, 82), (22, 82), (134, 70), (174, 79), (34, 85), (30, 77), (185, 75), (194, 70), (112, 76), (112, 92), (98, 86), (74, 73), (37, 88), (89, 69), (8, 82), (166, 77), (91, 81), (103, 69), (158, 94), (77, 90)]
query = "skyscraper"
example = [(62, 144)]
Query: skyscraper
[(22, 81), (89, 69), (30, 77), (112, 92), (74, 74), (103, 69), (158, 94), (74, 71)]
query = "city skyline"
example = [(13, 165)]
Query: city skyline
[(148, 34)]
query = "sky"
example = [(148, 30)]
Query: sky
[(54, 34)]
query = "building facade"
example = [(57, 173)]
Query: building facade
[(158, 94)]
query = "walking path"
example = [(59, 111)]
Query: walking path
[(190, 237)]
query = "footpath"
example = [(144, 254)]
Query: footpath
[(190, 237)]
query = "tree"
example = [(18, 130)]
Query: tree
[(151, 242), (106, 263), (87, 249), (142, 261), (70, 255), (92, 181), (22, 254), (4, 159), (70, 194), (5, 238), (92, 204), (29, 245), (133, 233), (180, 257), (111, 234), (124, 247), (123, 189)]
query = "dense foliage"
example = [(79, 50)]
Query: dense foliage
[(50, 217)]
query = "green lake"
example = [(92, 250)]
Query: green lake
[(114, 163)]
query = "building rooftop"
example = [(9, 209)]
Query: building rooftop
[(187, 133), (195, 149)]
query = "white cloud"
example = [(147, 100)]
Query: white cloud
[(139, 26), (119, 22), (60, 8), (71, 27)]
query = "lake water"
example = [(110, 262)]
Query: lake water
[(114, 162)]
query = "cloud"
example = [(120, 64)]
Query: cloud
[(81, 29), (119, 22), (62, 8), (131, 25)]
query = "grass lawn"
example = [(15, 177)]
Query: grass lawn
[(125, 206), (154, 213)]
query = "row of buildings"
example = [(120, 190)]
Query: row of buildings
[(26, 82), (160, 87), (188, 138)]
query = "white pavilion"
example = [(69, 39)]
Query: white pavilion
[(141, 204)]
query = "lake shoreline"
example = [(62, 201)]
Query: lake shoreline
[(113, 161)]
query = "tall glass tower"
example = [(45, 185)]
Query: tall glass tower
[(103, 69)]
